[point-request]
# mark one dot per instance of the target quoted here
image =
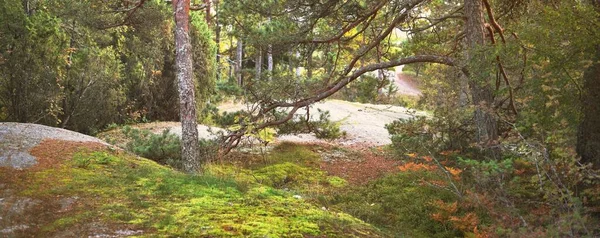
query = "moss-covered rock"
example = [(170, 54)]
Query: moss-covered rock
[(91, 192)]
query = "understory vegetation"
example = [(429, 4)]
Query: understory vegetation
[(434, 192), (270, 198), (507, 142)]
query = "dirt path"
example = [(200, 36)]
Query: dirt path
[(406, 85)]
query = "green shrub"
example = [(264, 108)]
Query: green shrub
[(323, 128), (164, 148), (227, 119), (229, 88), (411, 135), (425, 134)]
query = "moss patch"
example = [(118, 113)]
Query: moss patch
[(119, 190)]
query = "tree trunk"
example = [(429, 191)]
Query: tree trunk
[(270, 61), (588, 138), (207, 12), (238, 61), (298, 68), (185, 77), (258, 63), (482, 93), (309, 63), (218, 40)]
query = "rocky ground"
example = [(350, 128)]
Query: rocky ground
[(356, 158), (363, 123), (17, 139)]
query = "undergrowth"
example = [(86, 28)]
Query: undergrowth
[(164, 148)]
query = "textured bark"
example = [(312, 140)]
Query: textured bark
[(309, 63), (238, 61), (207, 11), (298, 68), (270, 61), (258, 63), (218, 39), (463, 96), (482, 94), (588, 141), (185, 79)]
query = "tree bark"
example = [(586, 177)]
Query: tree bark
[(218, 40), (238, 61), (298, 68), (482, 94), (185, 77), (588, 138), (207, 12), (270, 61), (258, 63)]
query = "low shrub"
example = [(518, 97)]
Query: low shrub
[(400, 204), (164, 148), (323, 128)]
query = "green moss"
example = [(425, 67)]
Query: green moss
[(400, 204), (289, 152), (67, 221), (337, 182), (225, 201)]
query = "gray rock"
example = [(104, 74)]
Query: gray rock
[(16, 159), (21, 206), (67, 203), (16, 139), (10, 231)]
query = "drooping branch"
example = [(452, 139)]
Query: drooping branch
[(494, 24), (233, 139), (493, 21)]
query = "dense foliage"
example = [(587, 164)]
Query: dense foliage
[(73, 65), (511, 87)]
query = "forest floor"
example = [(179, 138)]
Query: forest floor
[(72, 184), (83, 187)]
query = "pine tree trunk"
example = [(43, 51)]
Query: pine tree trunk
[(185, 77), (207, 12), (482, 93), (309, 63), (270, 61), (298, 68), (218, 40), (258, 63), (588, 140), (238, 61)]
